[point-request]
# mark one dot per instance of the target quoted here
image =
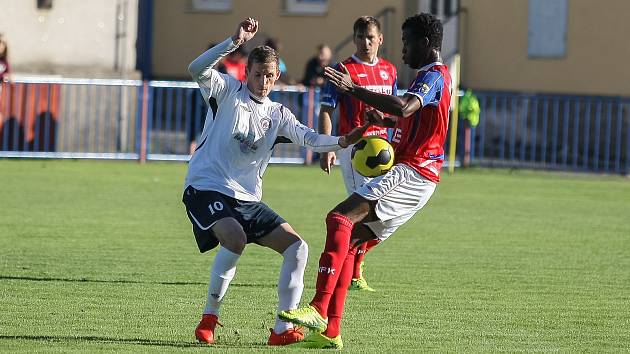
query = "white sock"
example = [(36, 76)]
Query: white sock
[(221, 274), (291, 281)]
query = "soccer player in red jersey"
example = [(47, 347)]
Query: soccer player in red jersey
[(379, 207), (375, 74)]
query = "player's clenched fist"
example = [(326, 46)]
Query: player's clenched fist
[(245, 31)]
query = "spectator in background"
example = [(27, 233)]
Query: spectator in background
[(284, 76), (4, 59), (235, 64), (314, 71)]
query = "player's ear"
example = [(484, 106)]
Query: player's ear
[(278, 72), (425, 41)]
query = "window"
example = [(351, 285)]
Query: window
[(44, 4), (434, 7), (450, 8), (547, 29), (306, 6), (211, 5)]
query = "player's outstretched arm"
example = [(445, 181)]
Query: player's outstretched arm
[(398, 106), (355, 135), (324, 123), (302, 135)]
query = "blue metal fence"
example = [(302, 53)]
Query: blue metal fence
[(159, 120), (120, 119), (577, 133)]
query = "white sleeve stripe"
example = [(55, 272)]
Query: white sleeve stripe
[(417, 95)]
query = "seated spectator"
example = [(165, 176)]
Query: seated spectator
[(314, 71)]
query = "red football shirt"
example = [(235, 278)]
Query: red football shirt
[(419, 139), (378, 77)]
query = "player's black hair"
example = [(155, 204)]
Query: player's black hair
[(426, 25), (263, 54), (363, 22)]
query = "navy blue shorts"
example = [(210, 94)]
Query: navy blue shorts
[(204, 208)]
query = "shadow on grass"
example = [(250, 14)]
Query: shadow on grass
[(138, 341), (133, 341), (125, 281)]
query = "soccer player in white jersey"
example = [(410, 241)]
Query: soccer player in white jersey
[(223, 187), (373, 73)]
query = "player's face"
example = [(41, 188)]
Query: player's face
[(415, 51), (367, 42), (261, 77)]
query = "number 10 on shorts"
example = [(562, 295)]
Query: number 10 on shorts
[(214, 207)]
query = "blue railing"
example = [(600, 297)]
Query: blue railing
[(160, 120), (120, 119), (577, 133)]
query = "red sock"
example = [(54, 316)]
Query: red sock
[(339, 229), (362, 250), (338, 300)]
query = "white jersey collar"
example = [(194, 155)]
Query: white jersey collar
[(255, 98)]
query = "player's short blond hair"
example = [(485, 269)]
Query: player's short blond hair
[(263, 54)]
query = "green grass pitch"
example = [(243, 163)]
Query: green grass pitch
[(99, 257)]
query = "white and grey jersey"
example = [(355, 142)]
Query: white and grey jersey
[(240, 131)]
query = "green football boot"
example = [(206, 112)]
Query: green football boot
[(316, 340), (306, 316), (360, 283)]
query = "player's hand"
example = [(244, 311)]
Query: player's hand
[(355, 135), (245, 31), (376, 117), (341, 80), (327, 161)]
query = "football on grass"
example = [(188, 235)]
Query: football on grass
[(372, 156)]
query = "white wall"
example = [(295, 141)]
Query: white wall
[(74, 38)]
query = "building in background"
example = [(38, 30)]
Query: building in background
[(546, 46), (71, 38), (186, 27), (533, 46)]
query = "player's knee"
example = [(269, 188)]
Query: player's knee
[(301, 253), (298, 252), (354, 208), (335, 217), (230, 235)]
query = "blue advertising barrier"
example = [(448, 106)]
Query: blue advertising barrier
[(161, 120), (559, 132)]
